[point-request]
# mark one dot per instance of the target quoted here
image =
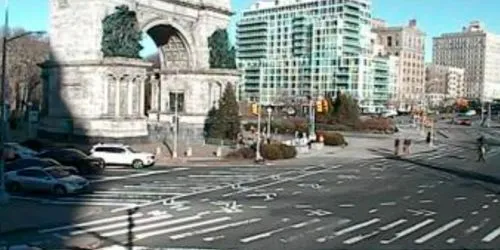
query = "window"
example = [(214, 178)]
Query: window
[(32, 173), (176, 97), (389, 41)]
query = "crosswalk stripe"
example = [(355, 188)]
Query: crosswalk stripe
[(90, 223), (152, 226), (407, 231), (393, 224), (357, 226), (439, 231), (359, 238), (270, 233), (492, 235), (120, 224), (183, 227), (215, 229)]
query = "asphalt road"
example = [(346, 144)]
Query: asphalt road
[(377, 204)]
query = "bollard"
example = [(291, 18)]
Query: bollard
[(189, 152), (219, 152), (158, 151)]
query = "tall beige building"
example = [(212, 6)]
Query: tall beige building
[(443, 82), (407, 43), (478, 52)]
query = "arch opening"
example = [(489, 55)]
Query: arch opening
[(173, 49)]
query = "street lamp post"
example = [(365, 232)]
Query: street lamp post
[(269, 112), (258, 157), (4, 197)]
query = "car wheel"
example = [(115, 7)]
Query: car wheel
[(137, 164), (60, 190), (14, 187)]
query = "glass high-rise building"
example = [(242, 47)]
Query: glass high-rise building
[(300, 48)]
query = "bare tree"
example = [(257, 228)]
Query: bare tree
[(23, 73)]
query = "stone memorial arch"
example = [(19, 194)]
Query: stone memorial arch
[(92, 95)]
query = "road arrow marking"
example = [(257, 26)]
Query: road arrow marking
[(421, 212)]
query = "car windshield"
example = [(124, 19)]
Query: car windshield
[(132, 150), (58, 173), (73, 153)]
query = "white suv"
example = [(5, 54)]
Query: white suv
[(121, 154)]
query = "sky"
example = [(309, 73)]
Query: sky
[(434, 17)]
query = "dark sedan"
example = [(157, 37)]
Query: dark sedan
[(74, 157), (35, 162)]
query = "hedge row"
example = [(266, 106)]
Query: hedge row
[(373, 125), (332, 138), (273, 151)]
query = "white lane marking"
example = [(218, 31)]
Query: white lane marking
[(76, 199), (88, 203), (495, 201), (206, 190), (359, 238), (346, 205), (272, 232), (451, 240), (491, 236), (460, 198), (114, 178), (153, 226), (474, 228), (220, 176), (373, 211), (393, 224), (300, 206), (336, 224), (90, 223), (439, 231), (490, 195), (388, 204), (485, 206), (277, 182), (258, 207), (426, 201), (215, 229), (349, 229), (407, 231), (115, 192), (181, 228), (120, 224), (210, 239)]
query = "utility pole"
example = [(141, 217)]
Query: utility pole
[(4, 197), (258, 157)]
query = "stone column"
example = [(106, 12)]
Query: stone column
[(130, 88), (141, 97), (154, 95), (117, 99)]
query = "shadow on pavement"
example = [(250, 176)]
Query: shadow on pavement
[(469, 175)]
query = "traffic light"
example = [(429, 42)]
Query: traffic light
[(319, 107), (325, 105), (254, 109)]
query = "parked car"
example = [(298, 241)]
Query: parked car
[(74, 157), (390, 114), (54, 180), (121, 154), (14, 151), (37, 162), (462, 120)]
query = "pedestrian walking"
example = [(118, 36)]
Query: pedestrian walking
[(481, 150), (396, 146)]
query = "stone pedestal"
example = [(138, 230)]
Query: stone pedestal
[(101, 99)]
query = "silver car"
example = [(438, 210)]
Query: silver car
[(52, 179)]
